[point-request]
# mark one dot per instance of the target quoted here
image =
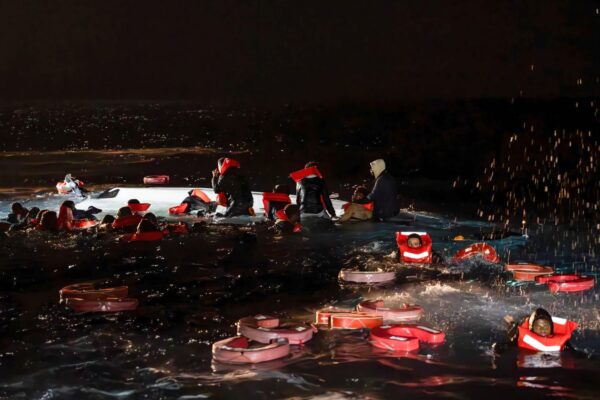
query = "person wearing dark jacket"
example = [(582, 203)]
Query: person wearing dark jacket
[(228, 180), (384, 194), (312, 195)]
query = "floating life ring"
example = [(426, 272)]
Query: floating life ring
[(83, 223), (264, 329), (323, 316), (87, 291), (566, 282), (237, 350), (482, 250), (138, 207), (407, 312), (109, 304), (420, 254), (156, 180), (404, 337), (527, 272), (555, 342), (379, 276), (355, 320), (153, 236), (297, 176)]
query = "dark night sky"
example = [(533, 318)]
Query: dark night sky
[(316, 51)]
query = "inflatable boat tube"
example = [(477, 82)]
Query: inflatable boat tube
[(483, 250), (405, 313), (156, 180), (237, 350), (355, 320), (404, 337), (109, 304), (567, 282), (527, 272), (87, 291), (351, 275), (264, 329)]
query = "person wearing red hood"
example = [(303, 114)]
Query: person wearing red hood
[(228, 180), (312, 195)]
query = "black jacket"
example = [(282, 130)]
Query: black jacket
[(309, 193), (384, 196), (239, 196)]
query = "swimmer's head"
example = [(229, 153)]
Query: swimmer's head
[(133, 201), (151, 217), (146, 225), (540, 323), (414, 241), (68, 204), (33, 212), (16, 208), (49, 221), (124, 212), (293, 213)]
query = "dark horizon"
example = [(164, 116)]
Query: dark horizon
[(224, 52)]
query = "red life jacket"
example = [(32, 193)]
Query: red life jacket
[(83, 223), (283, 216), (222, 199), (65, 218), (555, 342), (177, 229), (275, 197), (477, 249), (367, 206), (228, 163), (421, 254), (153, 236), (183, 207), (201, 195), (127, 221), (138, 207), (297, 176), (180, 209)]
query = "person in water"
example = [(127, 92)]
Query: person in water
[(287, 220), (198, 201), (48, 221), (126, 221), (385, 192), (358, 207), (275, 206), (312, 195), (414, 241), (17, 214), (540, 323), (149, 223), (228, 180)]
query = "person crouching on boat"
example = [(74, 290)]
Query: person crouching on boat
[(359, 208), (385, 192), (228, 180), (312, 195)]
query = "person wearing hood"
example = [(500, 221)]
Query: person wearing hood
[(228, 180), (311, 192), (385, 192)]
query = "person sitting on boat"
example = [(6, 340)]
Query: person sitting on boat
[(359, 208), (75, 185), (384, 194), (287, 220), (275, 201), (228, 180), (198, 201), (312, 195)]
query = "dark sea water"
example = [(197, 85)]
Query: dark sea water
[(193, 289)]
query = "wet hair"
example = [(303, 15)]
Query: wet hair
[(133, 201), (151, 217), (281, 189), (33, 212), (107, 219), (69, 204), (16, 207), (541, 314), (311, 164), (40, 214), (49, 221), (293, 213), (359, 193), (124, 212), (414, 236), (146, 225)]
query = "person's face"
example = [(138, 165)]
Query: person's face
[(413, 243), (359, 196), (541, 327)]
